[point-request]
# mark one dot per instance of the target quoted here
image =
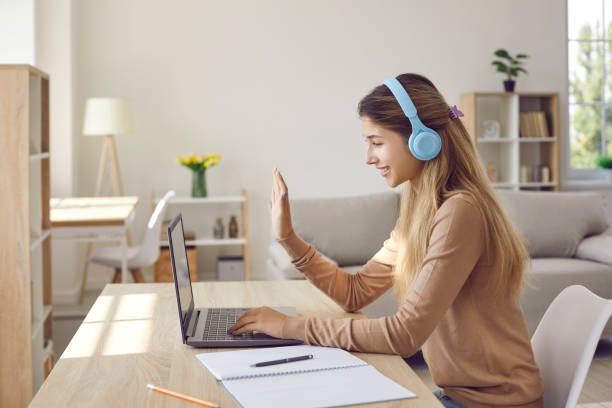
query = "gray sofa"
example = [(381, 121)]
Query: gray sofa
[(564, 233)]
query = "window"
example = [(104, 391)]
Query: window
[(590, 81)]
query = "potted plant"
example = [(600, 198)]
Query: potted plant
[(199, 164), (605, 162), (512, 67)]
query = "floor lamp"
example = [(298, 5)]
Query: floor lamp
[(106, 117)]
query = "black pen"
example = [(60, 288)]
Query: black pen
[(282, 361)]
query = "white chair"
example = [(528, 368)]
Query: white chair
[(139, 256), (565, 340)]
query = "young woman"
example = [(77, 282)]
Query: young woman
[(453, 259)]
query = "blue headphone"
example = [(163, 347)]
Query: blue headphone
[(424, 143)]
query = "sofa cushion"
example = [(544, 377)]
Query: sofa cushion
[(347, 229), (553, 223), (547, 277), (596, 248)]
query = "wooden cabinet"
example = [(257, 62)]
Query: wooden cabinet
[(516, 157), (26, 343)]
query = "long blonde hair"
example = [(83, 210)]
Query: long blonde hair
[(455, 170)]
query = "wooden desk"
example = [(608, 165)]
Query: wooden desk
[(94, 219), (131, 337)]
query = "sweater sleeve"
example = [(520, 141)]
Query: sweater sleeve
[(350, 291), (455, 245)]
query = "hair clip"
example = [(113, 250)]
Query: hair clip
[(455, 112)]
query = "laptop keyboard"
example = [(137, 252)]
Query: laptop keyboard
[(219, 320)]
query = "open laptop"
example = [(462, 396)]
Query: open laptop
[(208, 327)]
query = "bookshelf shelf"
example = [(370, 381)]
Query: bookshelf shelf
[(36, 241), (39, 156)]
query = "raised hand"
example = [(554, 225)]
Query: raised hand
[(281, 214)]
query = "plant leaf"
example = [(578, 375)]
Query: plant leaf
[(503, 54), (520, 56)]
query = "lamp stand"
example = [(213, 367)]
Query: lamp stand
[(108, 159)]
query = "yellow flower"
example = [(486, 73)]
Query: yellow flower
[(199, 161)]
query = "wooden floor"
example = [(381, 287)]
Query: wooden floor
[(597, 390)]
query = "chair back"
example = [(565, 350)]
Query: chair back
[(565, 340), (149, 249)]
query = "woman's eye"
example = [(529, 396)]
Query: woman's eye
[(376, 144)]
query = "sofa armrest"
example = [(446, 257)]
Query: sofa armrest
[(279, 258), (596, 248)]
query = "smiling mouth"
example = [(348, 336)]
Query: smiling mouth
[(384, 171)]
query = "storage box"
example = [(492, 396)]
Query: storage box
[(230, 268), (162, 269)]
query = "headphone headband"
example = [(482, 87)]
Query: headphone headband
[(401, 96)]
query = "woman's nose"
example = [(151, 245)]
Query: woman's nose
[(370, 159)]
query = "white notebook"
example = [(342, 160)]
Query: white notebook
[(333, 377)]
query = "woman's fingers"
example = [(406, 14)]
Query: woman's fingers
[(278, 183), (244, 329), (244, 320), (279, 187), (274, 186), (283, 185)]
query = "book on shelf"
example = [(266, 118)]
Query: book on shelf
[(533, 124)]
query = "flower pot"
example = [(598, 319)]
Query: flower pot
[(198, 183), (509, 85)]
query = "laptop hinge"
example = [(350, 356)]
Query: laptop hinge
[(193, 322)]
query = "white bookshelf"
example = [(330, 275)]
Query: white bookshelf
[(25, 270), (199, 216), (519, 160)]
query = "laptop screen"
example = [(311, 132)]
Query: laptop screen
[(180, 269)]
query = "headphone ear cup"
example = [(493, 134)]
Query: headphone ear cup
[(425, 145)]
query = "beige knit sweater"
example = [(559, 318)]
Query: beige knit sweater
[(475, 344)]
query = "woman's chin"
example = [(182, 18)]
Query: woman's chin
[(391, 182)]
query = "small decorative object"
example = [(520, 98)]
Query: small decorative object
[(525, 174), (198, 165), (233, 227), (492, 172), (219, 229), (545, 174), (511, 68), (490, 129), (454, 112)]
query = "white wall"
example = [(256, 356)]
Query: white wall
[(17, 21), (276, 83), (54, 55)]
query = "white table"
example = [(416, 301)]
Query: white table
[(94, 219)]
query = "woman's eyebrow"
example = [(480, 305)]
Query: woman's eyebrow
[(373, 136)]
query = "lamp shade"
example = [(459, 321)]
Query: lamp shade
[(107, 116)]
